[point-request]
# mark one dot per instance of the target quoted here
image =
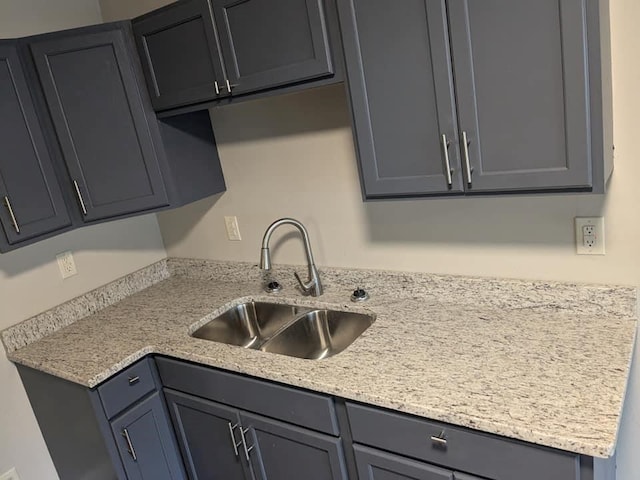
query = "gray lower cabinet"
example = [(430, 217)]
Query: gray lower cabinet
[(225, 426), (222, 442), (416, 444), (279, 451), (32, 201), (144, 439), (484, 96), (99, 117), (378, 465), (209, 437), (196, 51)]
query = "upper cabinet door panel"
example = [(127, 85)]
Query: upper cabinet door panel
[(402, 99), (180, 55), (271, 43), (31, 200), (99, 117), (520, 70)]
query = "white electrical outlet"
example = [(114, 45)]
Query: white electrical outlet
[(590, 236), (233, 232), (10, 475), (66, 265)]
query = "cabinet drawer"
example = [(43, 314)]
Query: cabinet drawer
[(290, 405), (474, 452), (127, 387)]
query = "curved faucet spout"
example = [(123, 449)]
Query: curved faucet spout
[(313, 285)]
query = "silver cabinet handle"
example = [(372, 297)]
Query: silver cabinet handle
[(80, 199), (233, 438), (217, 87), (447, 164), (228, 85), (465, 151), (7, 203), (134, 380), (130, 449), (247, 450), (440, 439)]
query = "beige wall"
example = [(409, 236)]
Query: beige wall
[(29, 279)]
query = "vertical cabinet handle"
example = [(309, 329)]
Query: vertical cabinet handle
[(233, 438), (465, 152), (130, 449), (228, 85), (7, 203), (217, 87), (447, 164), (80, 199), (247, 450)]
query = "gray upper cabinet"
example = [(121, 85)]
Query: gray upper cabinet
[(270, 43), (402, 96), (520, 69), (32, 202), (180, 56), (197, 51), (98, 114), (509, 96)]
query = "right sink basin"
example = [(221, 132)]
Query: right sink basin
[(291, 330), (319, 334)]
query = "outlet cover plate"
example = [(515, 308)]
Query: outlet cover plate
[(233, 231), (590, 236), (67, 266)]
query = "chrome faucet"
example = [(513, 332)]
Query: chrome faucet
[(313, 286)]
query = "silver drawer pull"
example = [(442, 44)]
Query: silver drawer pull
[(447, 164), (7, 203), (439, 440), (130, 449), (465, 151), (247, 450), (133, 380), (233, 438), (80, 199)]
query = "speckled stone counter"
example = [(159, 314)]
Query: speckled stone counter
[(541, 362)]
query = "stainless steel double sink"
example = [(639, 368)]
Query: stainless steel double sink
[(303, 332)]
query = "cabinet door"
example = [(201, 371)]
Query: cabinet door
[(91, 90), (378, 465), (32, 203), (209, 437), (402, 99), (145, 442), (270, 43), (520, 73), (180, 54), (279, 451)]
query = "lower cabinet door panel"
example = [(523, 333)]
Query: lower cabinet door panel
[(145, 442), (279, 451), (378, 465), (205, 433)]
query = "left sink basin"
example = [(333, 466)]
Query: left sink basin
[(249, 324)]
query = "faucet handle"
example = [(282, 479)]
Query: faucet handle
[(306, 287)]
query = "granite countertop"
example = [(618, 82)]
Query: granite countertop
[(541, 362)]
